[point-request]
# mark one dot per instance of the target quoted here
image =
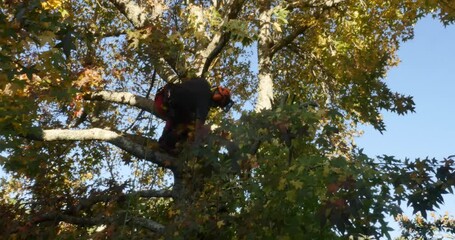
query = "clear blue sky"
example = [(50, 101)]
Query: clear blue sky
[(427, 72)]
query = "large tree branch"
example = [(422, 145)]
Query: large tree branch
[(109, 196), (212, 51), (148, 224), (314, 3), (301, 29), (122, 98), (80, 221), (286, 41), (220, 40), (137, 15), (73, 214), (165, 70), (100, 220), (163, 193), (326, 3), (119, 140)]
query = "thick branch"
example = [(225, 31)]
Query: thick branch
[(289, 38), (136, 14), (109, 196), (165, 70), (93, 221), (314, 3), (327, 3), (119, 140), (163, 193), (220, 40), (212, 51), (122, 98), (80, 221), (148, 224), (72, 215)]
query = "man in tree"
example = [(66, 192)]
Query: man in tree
[(185, 107)]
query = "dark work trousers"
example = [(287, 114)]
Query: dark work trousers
[(176, 130)]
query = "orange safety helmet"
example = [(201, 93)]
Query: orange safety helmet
[(222, 97)]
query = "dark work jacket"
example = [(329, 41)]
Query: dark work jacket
[(190, 100)]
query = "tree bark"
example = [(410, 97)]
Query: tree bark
[(122, 98), (136, 14), (265, 87), (116, 139), (219, 41), (96, 221)]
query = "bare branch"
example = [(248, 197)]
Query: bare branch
[(220, 40), (163, 193), (148, 224), (314, 3), (327, 3), (165, 71), (111, 195), (136, 14), (72, 215), (289, 38), (122, 98), (80, 221), (119, 140), (212, 51), (93, 221)]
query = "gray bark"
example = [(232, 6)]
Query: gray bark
[(122, 98), (265, 87), (116, 139)]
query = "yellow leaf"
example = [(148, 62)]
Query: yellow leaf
[(297, 184), (220, 223), (282, 184), (51, 4), (64, 13), (173, 213), (277, 27), (88, 176)]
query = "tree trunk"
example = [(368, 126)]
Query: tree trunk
[(265, 88)]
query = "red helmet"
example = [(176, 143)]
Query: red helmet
[(222, 97)]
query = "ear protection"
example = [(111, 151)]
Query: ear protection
[(217, 95), (222, 96)]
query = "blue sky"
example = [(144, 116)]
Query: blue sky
[(427, 72)]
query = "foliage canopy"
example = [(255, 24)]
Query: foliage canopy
[(78, 131)]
